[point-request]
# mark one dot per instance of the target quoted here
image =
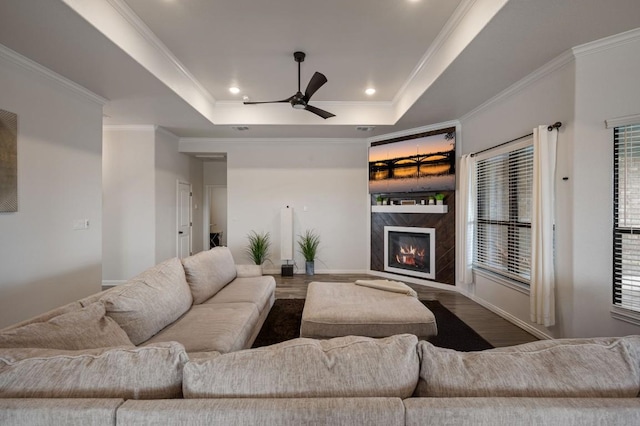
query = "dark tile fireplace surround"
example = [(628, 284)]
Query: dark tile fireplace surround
[(444, 225)]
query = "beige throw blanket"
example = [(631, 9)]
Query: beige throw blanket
[(386, 285)]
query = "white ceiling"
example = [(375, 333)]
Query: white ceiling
[(171, 62)]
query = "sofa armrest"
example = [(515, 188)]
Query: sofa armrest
[(246, 271)]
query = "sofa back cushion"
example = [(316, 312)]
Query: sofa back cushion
[(150, 301), (148, 372), (553, 369), (349, 366), (84, 328), (208, 272)]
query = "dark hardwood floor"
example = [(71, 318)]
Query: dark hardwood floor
[(495, 329)]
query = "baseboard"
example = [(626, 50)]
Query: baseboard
[(509, 317), (112, 283), (301, 271)]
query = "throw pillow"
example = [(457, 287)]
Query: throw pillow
[(150, 301), (85, 328)]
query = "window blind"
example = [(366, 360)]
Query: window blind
[(503, 214), (626, 212)]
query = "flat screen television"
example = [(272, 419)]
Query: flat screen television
[(423, 162)]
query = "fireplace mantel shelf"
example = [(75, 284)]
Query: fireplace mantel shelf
[(417, 208)]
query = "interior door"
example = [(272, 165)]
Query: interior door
[(184, 220)]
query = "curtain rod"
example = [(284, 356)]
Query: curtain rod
[(555, 125)]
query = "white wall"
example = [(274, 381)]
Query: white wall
[(142, 167), (44, 263), (581, 93), (215, 173), (172, 166), (328, 177), (129, 199), (607, 87)]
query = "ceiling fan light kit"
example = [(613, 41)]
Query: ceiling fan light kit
[(300, 101)]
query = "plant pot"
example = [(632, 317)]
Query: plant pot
[(439, 202), (309, 266)]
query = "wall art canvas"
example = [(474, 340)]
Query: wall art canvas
[(416, 163), (8, 161)]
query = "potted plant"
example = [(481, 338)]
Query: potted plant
[(308, 244), (439, 199), (431, 200), (258, 249), (379, 200)]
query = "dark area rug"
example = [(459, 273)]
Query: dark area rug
[(283, 323)]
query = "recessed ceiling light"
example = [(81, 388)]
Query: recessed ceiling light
[(370, 91), (234, 90), (365, 128)]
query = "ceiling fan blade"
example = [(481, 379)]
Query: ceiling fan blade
[(269, 102), (316, 82), (317, 111)]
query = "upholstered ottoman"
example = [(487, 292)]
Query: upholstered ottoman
[(343, 309)]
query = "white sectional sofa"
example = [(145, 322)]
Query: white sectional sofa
[(135, 356)]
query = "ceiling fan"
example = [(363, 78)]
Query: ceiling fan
[(300, 101)]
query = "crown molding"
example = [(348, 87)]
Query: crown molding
[(467, 21), (129, 127), (297, 141), (606, 43), (554, 65), (138, 128), (449, 27), (327, 104), (27, 64), (136, 23), (557, 63), (415, 130)]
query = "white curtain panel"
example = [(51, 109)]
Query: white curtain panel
[(542, 290), (466, 217)]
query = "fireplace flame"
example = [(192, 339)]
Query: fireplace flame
[(410, 255)]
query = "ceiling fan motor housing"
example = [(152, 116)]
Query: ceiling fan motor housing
[(297, 101)]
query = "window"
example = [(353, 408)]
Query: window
[(626, 217), (503, 213)]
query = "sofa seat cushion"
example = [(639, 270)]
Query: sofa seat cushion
[(265, 412), (124, 372), (553, 369), (522, 411), (208, 272), (84, 328), (257, 290), (150, 301), (351, 366), (59, 411), (212, 327)]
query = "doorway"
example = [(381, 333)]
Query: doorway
[(215, 215)]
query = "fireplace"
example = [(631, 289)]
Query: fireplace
[(410, 251)]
